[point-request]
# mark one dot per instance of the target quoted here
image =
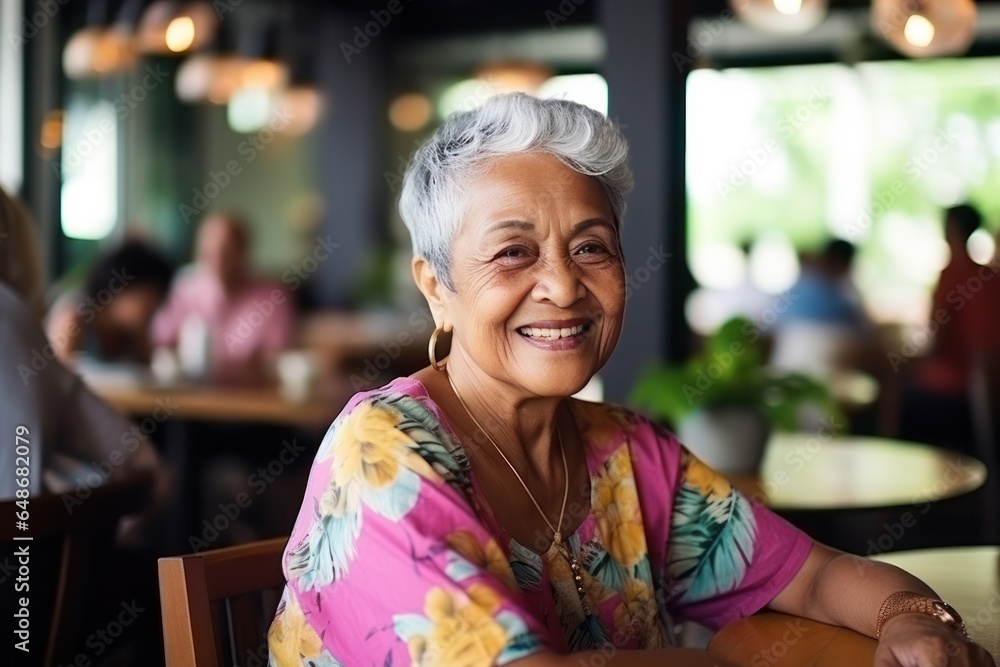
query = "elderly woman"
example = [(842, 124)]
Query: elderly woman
[(476, 514)]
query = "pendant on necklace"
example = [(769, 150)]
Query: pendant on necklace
[(574, 565)]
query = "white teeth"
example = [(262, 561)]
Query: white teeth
[(551, 334)]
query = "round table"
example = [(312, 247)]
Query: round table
[(968, 578), (813, 471)]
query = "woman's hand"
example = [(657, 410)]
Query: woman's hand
[(918, 640)]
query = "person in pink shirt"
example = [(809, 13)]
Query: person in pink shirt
[(233, 323)]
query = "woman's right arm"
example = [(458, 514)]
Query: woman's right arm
[(678, 657)]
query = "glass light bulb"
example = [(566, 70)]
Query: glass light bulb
[(180, 34), (918, 31), (788, 7)]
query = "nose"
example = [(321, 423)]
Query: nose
[(559, 283)]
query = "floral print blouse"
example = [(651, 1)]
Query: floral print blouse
[(395, 560)]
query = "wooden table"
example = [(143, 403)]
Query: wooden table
[(218, 404), (133, 390), (179, 413), (968, 578), (803, 471)]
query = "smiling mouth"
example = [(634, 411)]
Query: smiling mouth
[(536, 333)]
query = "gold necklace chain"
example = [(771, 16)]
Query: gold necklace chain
[(557, 538)]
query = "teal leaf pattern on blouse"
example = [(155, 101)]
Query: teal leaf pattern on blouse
[(589, 635), (711, 544), (603, 567), (527, 566)]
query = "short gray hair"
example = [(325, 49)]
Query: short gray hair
[(511, 124)]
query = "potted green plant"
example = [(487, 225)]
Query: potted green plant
[(724, 401)]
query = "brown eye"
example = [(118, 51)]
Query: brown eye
[(592, 252), (512, 255)]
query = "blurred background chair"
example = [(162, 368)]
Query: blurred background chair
[(65, 550), (218, 605), (984, 391)]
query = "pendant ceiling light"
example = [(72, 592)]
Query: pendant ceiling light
[(209, 77), (170, 27), (213, 75), (926, 28), (781, 16), (99, 49), (302, 101), (94, 52)]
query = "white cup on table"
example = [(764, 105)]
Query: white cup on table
[(298, 374)]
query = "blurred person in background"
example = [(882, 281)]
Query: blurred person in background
[(714, 306), (825, 327), (76, 442), (965, 319), (967, 294), (232, 323), (110, 319), (71, 429)]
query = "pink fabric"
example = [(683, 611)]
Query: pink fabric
[(244, 327), (666, 538), (781, 549)]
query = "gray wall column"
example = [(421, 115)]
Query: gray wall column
[(351, 153), (646, 91)]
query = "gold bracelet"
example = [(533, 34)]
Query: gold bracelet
[(903, 602)]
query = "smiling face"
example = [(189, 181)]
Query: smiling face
[(538, 276)]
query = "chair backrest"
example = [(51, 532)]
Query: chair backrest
[(984, 393), (67, 540), (217, 605)]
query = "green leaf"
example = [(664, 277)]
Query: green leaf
[(730, 370)]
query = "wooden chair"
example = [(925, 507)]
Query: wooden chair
[(64, 550), (217, 605)]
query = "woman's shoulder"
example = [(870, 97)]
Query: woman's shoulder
[(400, 421), (610, 424), (404, 398), (400, 387), (606, 427)]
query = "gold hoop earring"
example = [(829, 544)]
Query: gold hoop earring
[(432, 350)]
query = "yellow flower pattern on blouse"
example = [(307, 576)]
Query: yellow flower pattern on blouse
[(488, 556), (291, 639), (616, 506), (707, 481), (603, 423), (369, 447), (637, 615), (462, 631)]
